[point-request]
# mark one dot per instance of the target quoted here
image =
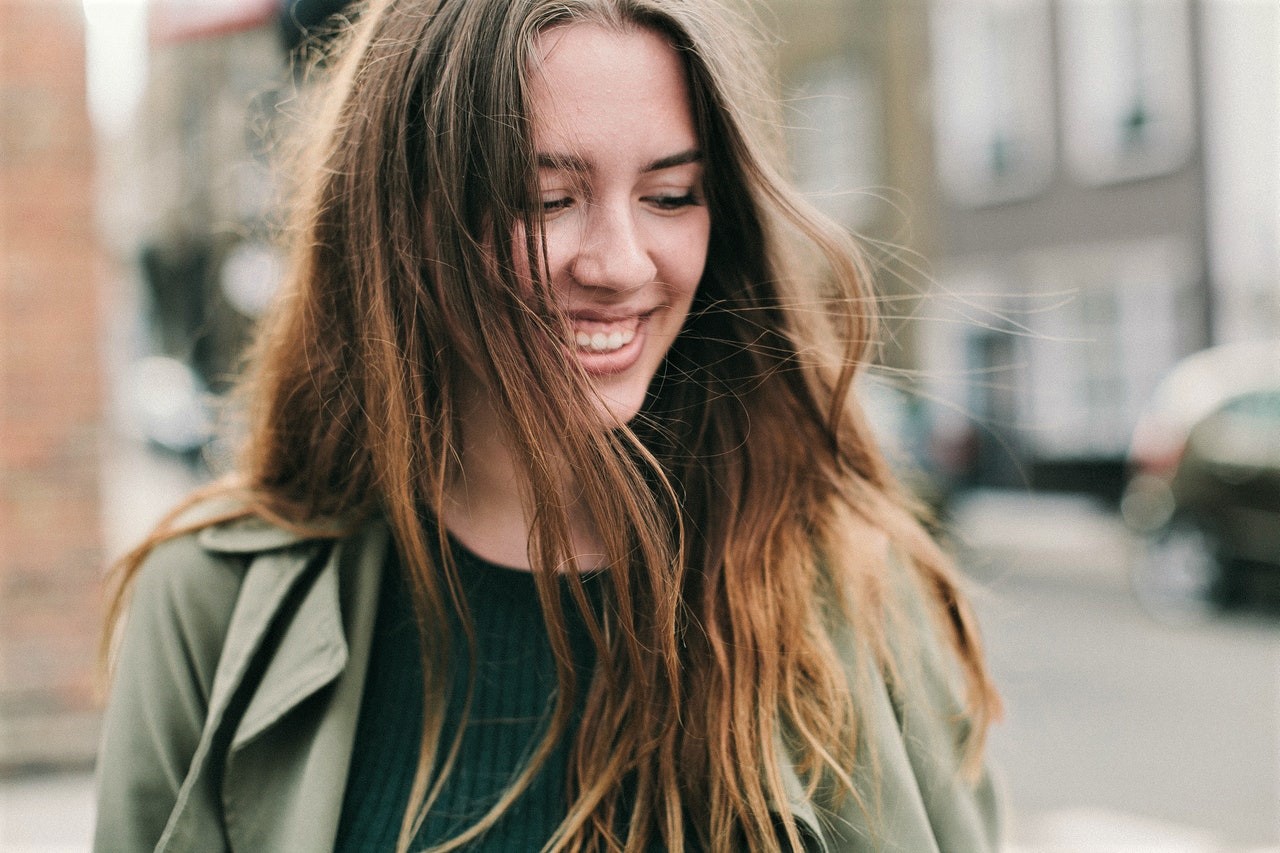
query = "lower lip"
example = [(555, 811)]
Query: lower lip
[(615, 361)]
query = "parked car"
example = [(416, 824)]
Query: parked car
[(1204, 486)]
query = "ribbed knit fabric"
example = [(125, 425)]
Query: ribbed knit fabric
[(514, 690)]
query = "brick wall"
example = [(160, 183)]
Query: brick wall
[(50, 389)]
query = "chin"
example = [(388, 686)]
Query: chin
[(617, 407), (615, 413)]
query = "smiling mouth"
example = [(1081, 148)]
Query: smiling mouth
[(606, 336)]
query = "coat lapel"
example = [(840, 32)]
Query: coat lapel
[(313, 604), (311, 652), (289, 757), (267, 583)]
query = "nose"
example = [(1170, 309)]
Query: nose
[(612, 253)]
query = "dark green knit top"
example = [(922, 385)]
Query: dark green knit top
[(511, 706)]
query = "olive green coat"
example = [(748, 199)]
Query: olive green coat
[(239, 682)]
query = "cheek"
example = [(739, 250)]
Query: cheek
[(554, 254), (688, 258), (560, 246)]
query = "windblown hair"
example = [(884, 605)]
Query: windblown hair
[(744, 512)]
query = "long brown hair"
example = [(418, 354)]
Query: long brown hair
[(744, 512)]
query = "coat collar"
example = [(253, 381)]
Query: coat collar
[(247, 536), (251, 534)]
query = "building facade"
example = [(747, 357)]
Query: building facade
[(1090, 192), (50, 390)]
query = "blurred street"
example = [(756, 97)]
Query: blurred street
[(53, 812), (46, 814), (1065, 204), (1122, 733)]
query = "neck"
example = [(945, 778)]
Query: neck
[(487, 507)]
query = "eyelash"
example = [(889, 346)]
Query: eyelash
[(674, 202), (556, 204), (663, 202)]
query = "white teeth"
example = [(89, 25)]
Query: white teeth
[(604, 341)]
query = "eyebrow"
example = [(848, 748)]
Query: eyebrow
[(572, 163)]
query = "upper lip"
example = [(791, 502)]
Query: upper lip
[(598, 315)]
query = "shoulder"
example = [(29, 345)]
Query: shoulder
[(178, 663), (183, 595), (187, 586), (186, 579), (916, 721), (942, 739)]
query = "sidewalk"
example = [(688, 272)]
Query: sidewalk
[(47, 814)]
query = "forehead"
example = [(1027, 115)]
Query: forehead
[(595, 86)]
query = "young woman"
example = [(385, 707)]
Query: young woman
[(558, 525)]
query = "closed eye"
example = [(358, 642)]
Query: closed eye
[(673, 202), (554, 205)]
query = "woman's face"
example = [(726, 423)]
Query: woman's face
[(620, 171)]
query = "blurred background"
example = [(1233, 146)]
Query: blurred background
[(1074, 208)]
